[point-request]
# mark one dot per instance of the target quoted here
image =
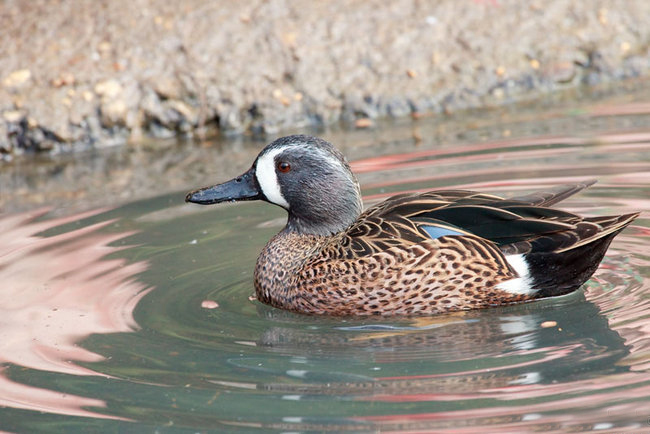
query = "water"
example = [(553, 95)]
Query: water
[(136, 318)]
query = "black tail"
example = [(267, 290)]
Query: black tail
[(562, 271)]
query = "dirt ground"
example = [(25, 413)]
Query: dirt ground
[(78, 74)]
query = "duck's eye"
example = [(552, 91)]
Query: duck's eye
[(284, 167)]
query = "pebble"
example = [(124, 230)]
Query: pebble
[(363, 123), (548, 324), (13, 116), (64, 79), (108, 88), (113, 113), (17, 78), (209, 304), (625, 46)]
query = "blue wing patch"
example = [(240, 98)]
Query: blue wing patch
[(437, 232)]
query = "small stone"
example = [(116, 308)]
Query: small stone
[(534, 63), (64, 79), (289, 39), (167, 87), (298, 96), (561, 71), (17, 78), (114, 113), (411, 73), (625, 46), (13, 116), (548, 324), (104, 46), (500, 71), (189, 113), (602, 16), (108, 88), (87, 95), (498, 93), (209, 304), (363, 123)]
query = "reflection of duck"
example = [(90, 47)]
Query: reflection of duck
[(414, 253), (479, 352)]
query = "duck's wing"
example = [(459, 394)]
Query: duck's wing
[(516, 225)]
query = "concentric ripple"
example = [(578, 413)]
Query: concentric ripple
[(141, 318)]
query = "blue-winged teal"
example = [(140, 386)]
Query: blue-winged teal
[(412, 254)]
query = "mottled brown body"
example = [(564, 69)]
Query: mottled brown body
[(312, 274), (387, 263)]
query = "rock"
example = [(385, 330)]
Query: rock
[(65, 79), (167, 87), (17, 78), (560, 72), (363, 123), (13, 115), (114, 113), (188, 113), (108, 88)]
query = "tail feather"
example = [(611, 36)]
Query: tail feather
[(554, 195), (605, 226), (565, 270)]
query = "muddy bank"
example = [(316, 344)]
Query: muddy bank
[(91, 74)]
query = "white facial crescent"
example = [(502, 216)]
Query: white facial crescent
[(268, 178)]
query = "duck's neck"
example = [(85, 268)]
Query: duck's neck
[(279, 263), (321, 219)]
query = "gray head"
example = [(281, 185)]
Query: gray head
[(306, 176)]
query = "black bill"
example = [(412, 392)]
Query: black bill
[(244, 187)]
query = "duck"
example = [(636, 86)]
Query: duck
[(413, 254)]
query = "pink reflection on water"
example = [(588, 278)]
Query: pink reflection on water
[(18, 395), (57, 290)]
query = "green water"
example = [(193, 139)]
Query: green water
[(137, 318)]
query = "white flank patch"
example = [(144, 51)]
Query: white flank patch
[(268, 178), (521, 284)]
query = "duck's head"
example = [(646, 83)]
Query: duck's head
[(306, 176)]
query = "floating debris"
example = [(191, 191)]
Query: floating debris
[(209, 304), (548, 324)]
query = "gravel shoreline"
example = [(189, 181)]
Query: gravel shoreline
[(77, 75)]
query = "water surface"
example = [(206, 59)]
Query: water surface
[(137, 318)]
